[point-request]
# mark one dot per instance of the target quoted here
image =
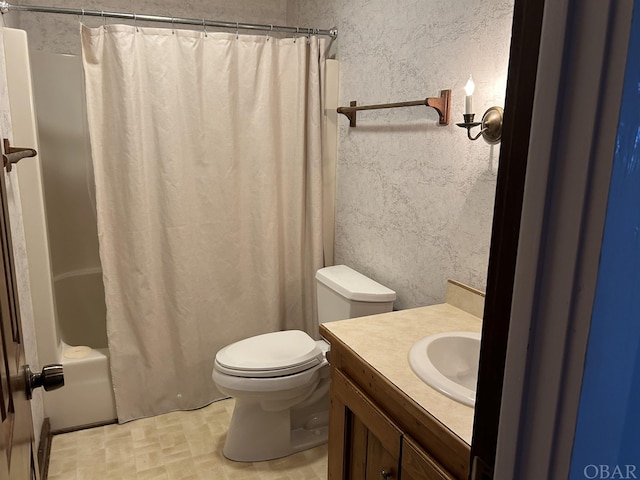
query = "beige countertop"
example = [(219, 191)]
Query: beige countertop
[(384, 341)]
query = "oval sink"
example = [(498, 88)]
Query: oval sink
[(448, 362)]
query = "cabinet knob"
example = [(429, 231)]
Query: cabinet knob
[(384, 475)]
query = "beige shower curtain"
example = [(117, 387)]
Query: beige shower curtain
[(207, 156)]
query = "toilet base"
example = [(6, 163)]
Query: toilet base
[(256, 435)]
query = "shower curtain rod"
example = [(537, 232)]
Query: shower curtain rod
[(6, 7)]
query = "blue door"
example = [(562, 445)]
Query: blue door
[(607, 439)]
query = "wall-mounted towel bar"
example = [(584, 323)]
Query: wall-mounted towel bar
[(441, 104), (13, 155)]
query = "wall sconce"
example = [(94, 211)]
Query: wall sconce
[(491, 124)]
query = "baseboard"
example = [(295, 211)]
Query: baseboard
[(77, 428), (44, 449)]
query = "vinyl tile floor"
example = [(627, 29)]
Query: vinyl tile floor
[(174, 446)]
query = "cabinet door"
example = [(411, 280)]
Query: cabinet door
[(419, 465), (363, 442)]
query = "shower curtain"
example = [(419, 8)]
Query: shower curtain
[(207, 158)]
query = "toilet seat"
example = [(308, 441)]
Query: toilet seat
[(270, 355)]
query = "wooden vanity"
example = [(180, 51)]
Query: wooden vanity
[(384, 421)]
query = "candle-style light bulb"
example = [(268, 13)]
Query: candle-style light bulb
[(469, 88)]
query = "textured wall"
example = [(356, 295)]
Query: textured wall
[(414, 199), (59, 33)]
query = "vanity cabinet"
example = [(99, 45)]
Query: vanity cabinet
[(419, 465), (377, 432), (364, 443)]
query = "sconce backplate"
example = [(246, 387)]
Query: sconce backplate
[(492, 125)]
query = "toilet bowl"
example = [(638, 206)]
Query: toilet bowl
[(280, 380), (281, 385)]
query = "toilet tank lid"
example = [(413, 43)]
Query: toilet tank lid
[(353, 285)]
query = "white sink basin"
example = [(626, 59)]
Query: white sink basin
[(448, 362)]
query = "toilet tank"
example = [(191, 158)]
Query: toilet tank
[(345, 293)]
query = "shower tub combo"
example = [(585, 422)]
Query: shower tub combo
[(58, 205), (87, 397), (69, 193), (57, 195)]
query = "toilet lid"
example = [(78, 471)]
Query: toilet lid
[(270, 355)]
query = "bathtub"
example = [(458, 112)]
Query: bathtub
[(60, 234), (87, 396)]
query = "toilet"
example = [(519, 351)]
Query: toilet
[(280, 380)]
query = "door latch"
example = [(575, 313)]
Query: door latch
[(51, 378)]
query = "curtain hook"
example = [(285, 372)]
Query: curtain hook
[(308, 35), (81, 18), (204, 28), (269, 34), (104, 23), (135, 22), (237, 30), (173, 26), (297, 32)]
